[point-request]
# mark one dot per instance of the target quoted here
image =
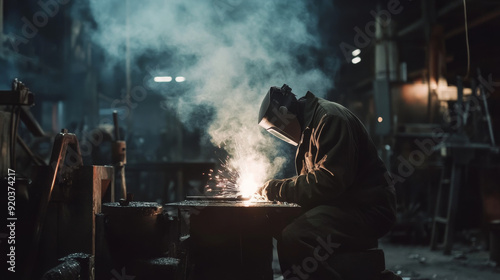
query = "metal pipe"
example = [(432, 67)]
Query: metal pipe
[(117, 128), (124, 185), (420, 22), (450, 7), (487, 113), (484, 18)]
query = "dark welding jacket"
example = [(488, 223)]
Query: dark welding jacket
[(336, 162)]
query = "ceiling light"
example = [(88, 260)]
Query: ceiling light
[(163, 79)]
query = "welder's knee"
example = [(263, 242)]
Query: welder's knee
[(290, 235), (293, 242)]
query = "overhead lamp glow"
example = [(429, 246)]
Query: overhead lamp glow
[(163, 79), (180, 79), (380, 119), (356, 60), (356, 52)]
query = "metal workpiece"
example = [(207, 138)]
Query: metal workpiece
[(232, 239), (76, 266), (126, 201), (233, 204), (155, 268), (68, 270), (133, 208), (87, 264), (136, 230), (138, 236)]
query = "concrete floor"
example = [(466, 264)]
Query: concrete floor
[(420, 263)]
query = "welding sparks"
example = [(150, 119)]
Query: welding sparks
[(235, 178), (222, 182)]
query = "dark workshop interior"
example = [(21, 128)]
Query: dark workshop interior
[(133, 140)]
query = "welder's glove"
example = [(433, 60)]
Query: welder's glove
[(272, 189)]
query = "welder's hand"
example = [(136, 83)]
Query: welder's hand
[(270, 190), (261, 191)]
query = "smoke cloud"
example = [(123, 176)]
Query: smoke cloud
[(230, 52)]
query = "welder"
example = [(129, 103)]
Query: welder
[(343, 186)]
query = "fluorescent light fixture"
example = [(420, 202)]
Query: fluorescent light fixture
[(180, 79), (356, 52), (163, 79), (356, 60)]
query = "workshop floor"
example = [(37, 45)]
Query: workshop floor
[(419, 263)]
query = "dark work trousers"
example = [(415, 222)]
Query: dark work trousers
[(306, 244)]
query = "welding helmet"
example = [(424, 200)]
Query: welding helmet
[(276, 117)]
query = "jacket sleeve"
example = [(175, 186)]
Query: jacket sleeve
[(329, 165)]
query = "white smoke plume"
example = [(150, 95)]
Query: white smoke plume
[(236, 49)]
